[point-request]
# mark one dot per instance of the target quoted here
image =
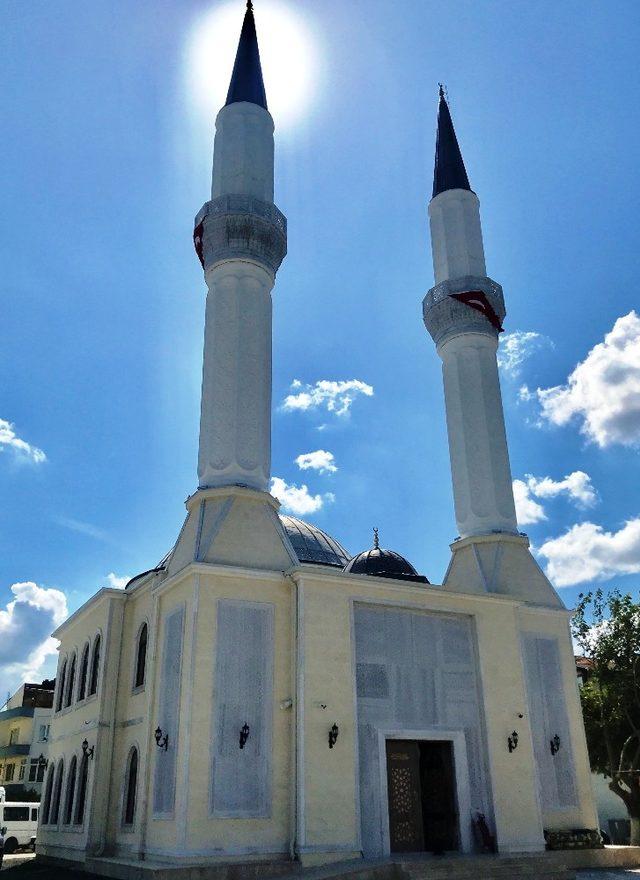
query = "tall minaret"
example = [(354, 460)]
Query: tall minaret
[(241, 239), (463, 313)]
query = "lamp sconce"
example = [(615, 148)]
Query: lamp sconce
[(333, 735), (43, 762), (86, 751), (244, 735), (554, 744), (512, 741), (162, 739)]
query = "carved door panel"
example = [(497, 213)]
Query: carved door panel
[(406, 827)]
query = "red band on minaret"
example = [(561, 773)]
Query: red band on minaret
[(197, 242)]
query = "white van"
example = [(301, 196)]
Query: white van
[(21, 821)]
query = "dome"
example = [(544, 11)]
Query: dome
[(312, 544), (379, 562)]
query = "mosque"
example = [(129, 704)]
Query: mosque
[(262, 696)]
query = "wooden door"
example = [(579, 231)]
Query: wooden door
[(437, 783), (406, 827)]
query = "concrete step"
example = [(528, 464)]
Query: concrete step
[(125, 869), (540, 866)]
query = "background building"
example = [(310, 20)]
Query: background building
[(24, 740)]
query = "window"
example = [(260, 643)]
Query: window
[(43, 736), (84, 665), (47, 795), (71, 790), (70, 681), (131, 787), (95, 667), (57, 791), (34, 814), (16, 814), (62, 678), (82, 791), (9, 772), (21, 769), (36, 770), (14, 735), (141, 656)]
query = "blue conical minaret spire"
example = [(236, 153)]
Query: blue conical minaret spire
[(246, 79), (449, 171)]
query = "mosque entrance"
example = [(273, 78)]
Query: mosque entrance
[(422, 796)]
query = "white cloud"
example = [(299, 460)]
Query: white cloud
[(515, 348), (603, 391), (335, 397), (25, 632), (528, 511), (576, 485), (525, 394), (118, 583), (586, 552), (10, 440), (298, 499), (320, 460)]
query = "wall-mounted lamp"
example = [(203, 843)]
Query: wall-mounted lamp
[(512, 741), (333, 736), (86, 751), (42, 761), (162, 740), (554, 744), (244, 735)]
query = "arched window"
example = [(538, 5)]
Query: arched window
[(61, 682), (71, 680), (46, 803), (95, 667), (71, 790), (57, 791), (84, 666), (141, 656), (82, 791), (131, 788)]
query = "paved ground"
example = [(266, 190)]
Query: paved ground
[(605, 874), (24, 868)]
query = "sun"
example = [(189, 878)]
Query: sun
[(287, 53)]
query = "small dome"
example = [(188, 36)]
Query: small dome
[(383, 563), (312, 544)]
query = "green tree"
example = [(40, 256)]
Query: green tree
[(607, 629)]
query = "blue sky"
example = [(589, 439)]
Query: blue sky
[(106, 160)]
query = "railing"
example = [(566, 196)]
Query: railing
[(17, 712), (14, 749), (242, 204)]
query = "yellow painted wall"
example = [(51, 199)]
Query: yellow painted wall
[(328, 797)]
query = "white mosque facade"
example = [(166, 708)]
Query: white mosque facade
[(260, 695)]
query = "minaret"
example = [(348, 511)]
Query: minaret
[(241, 239), (464, 313)]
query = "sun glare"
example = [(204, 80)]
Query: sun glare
[(286, 53)]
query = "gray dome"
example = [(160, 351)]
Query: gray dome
[(384, 563), (312, 544)]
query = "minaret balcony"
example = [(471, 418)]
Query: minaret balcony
[(445, 315), (239, 226)]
